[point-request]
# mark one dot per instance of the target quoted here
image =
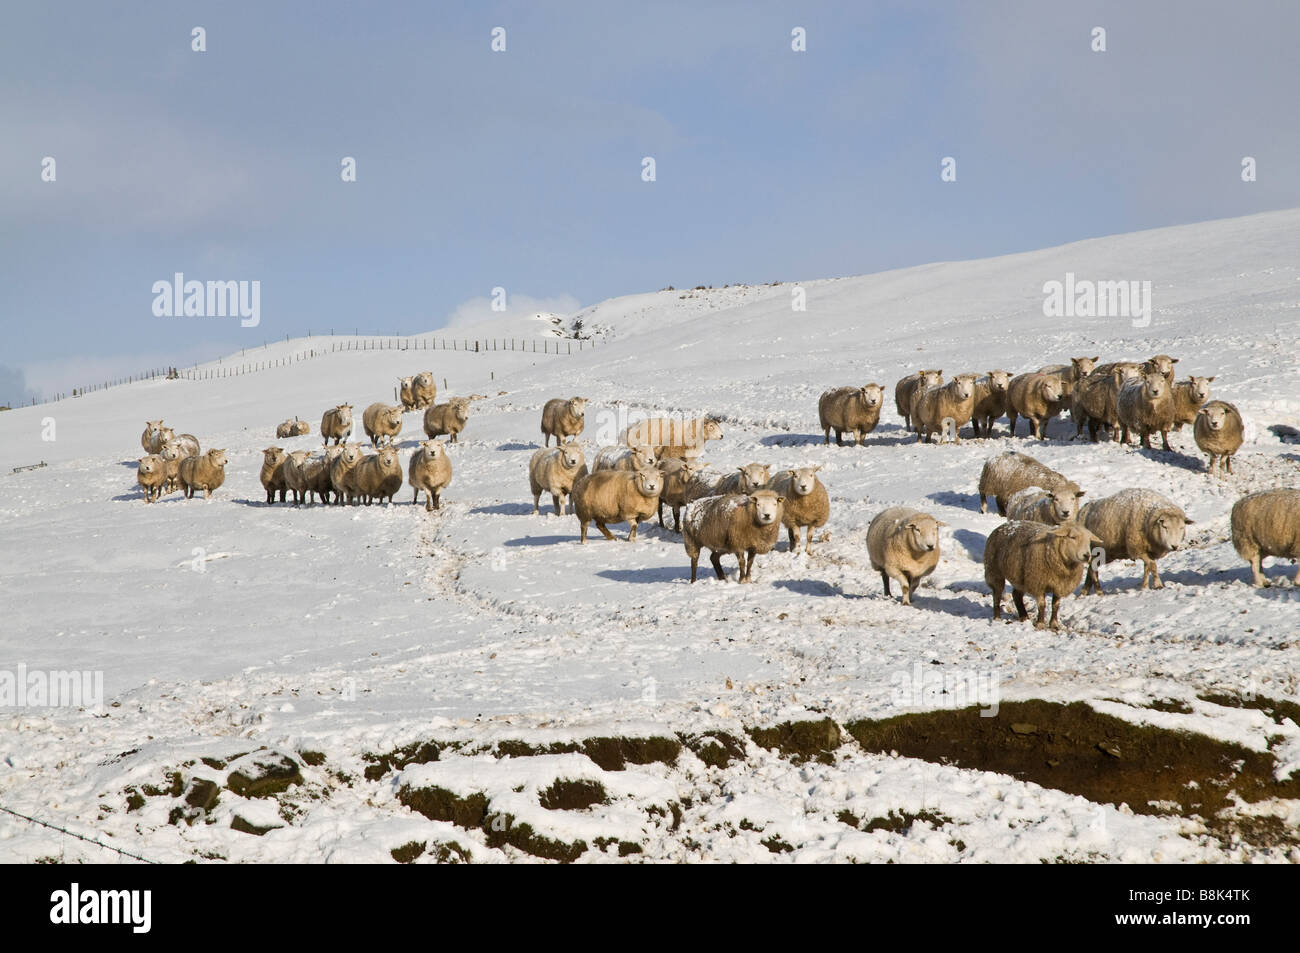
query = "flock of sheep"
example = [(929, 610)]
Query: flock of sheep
[(1048, 546)]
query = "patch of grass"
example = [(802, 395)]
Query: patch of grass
[(801, 740), (717, 749), (613, 754), (312, 758), (471, 812), (1274, 708), (900, 822), (569, 795), (776, 845), (1172, 705), (418, 752), (408, 851)]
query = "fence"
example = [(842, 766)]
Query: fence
[(469, 345)]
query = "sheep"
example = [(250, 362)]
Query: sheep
[(448, 418), (424, 390), (990, 401), (382, 423), (1006, 474), (172, 454), (1146, 405), (616, 496), (430, 471), (684, 482), (1095, 400), (404, 392), (272, 475), (736, 524), (296, 474), (1219, 432), (204, 472), (339, 467), (1070, 374), (336, 424), (375, 477), (906, 388), (186, 443), (624, 458), (318, 470), (1189, 397), (1038, 560), (292, 428), (554, 471), (807, 503), (1162, 364), (563, 419), (151, 439), (903, 544), (746, 479), (1037, 398), (1267, 523), (933, 406), (1134, 524), (673, 437), (853, 410), (1053, 507), (151, 474)]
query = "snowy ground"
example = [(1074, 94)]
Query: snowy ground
[(227, 626)]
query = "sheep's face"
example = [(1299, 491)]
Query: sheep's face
[(649, 482), (424, 379), (171, 452), (1053, 388), (1127, 372), (406, 384), (166, 434), (803, 480), (1154, 385), (299, 457), (351, 454), (922, 534), (753, 477), (767, 507), (1168, 529), (571, 457), (1162, 364), (930, 379), (148, 465), (1200, 388), (1215, 417), (432, 449), (1065, 504), (963, 387), (578, 407), (460, 407), (1082, 366), (712, 430), (217, 458), (998, 381), (273, 456), (345, 415), (332, 453), (872, 395), (1075, 543), (393, 418), (388, 458), (153, 428), (643, 458)]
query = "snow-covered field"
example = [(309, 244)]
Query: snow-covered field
[(327, 634)]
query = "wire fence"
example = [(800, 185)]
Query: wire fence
[(81, 837), (232, 369)]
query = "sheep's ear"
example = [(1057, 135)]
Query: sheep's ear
[(1208, 379), (1080, 493), (1095, 358), (1187, 521), (741, 469), (816, 468), (940, 523), (780, 499), (1173, 360)]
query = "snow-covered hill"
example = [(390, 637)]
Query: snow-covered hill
[(221, 627)]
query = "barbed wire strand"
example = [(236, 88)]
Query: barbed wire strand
[(68, 833)]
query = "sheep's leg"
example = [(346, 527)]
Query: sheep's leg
[(1041, 621), (1154, 570), (1011, 416), (583, 524), (631, 536), (677, 519), (1018, 597), (695, 562), (1256, 570), (884, 577), (827, 435), (984, 504), (716, 559), (807, 542), (1228, 460), (1056, 607), (604, 529), (998, 588), (661, 514), (791, 534), (906, 585)]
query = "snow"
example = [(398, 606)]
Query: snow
[(227, 625)]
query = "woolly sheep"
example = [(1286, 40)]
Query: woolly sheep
[(554, 471), (933, 406), (336, 424), (340, 466), (907, 387), (746, 479), (151, 474), (807, 505), (272, 474), (1162, 364), (375, 477), (296, 477), (1189, 397), (1005, 474), (740, 525), (292, 428), (990, 401), (448, 418), (404, 392), (204, 472), (318, 470), (673, 437), (616, 496), (1134, 524), (1038, 560), (854, 410), (382, 423), (1070, 374), (186, 443), (623, 458), (1037, 398), (563, 419), (172, 456), (424, 390), (1219, 431), (1095, 400), (1267, 523), (1146, 406), (684, 482), (903, 545), (1053, 507), (151, 439), (430, 471)]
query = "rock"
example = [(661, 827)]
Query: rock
[(263, 774), (247, 827), (203, 794)]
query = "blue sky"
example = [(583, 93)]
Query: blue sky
[(522, 169)]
